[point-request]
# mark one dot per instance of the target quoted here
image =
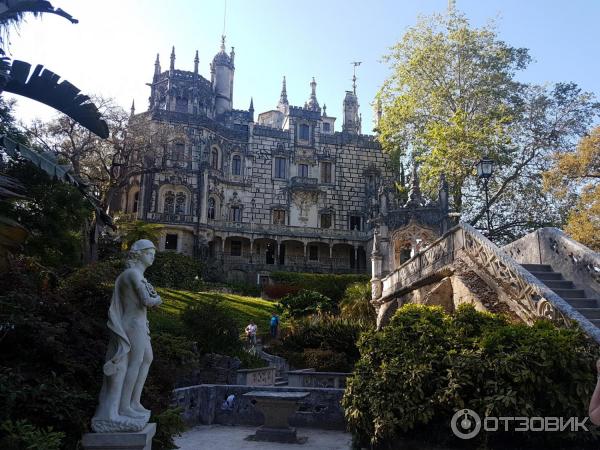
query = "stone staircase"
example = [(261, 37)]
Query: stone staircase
[(588, 307)]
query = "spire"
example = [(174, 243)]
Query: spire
[(283, 104), (157, 65), (324, 110), (172, 67), (313, 104), (415, 199), (223, 43), (355, 64), (132, 107), (196, 61), (232, 54), (251, 109)]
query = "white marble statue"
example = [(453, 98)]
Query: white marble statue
[(129, 352)]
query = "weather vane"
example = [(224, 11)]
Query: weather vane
[(355, 64)]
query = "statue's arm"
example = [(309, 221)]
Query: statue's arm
[(146, 293)]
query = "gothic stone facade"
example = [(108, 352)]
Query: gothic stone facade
[(285, 192)]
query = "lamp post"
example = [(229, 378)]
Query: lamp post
[(485, 169)]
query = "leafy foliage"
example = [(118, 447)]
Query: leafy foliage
[(356, 304), (305, 303), (136, 230), (415, 373), (327, 344), (53, 212), (453, 97), (175, 270), (22, 435), (576, 175), (329, 285)]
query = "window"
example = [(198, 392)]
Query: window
[(169, 206), (235, 214), (325, 172), (211, 208), (326, 127), (355, 223), (325, 220), (136, 200), (180, 203), (178, 153), (236, 165), (171, 242), (181, 104), (236, 248), (279, 167), (304, 132), (279, 217), (303, 170), (214, 162), (313, 252)]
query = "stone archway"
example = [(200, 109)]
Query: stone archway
[(410, 240)]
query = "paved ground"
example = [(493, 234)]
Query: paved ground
[(222, 437)]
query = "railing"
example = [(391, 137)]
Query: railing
[(304, 182), (285, 230), (263, 376), (170, 218), (290, 263), (312, 379), (529, 297)]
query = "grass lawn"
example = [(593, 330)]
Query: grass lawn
[(242, 309)]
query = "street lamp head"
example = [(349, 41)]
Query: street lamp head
[(485, 168)]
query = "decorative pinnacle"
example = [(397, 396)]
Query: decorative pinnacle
[(173, 58), (355, 64), (324, 110), (223, 43), (251, 109), (133, 107), (283, 100), (196, 59)]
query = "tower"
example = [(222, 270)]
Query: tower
[(222, 70), (312, 103), (352, 120), (283, 105)]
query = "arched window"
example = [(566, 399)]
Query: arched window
[(214, 161), (178, 152), (169, 207), (136, 199), (236, 165), (180, 203), (235, 214), (211, 208)]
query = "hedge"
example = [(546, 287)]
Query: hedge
[(329, 285)]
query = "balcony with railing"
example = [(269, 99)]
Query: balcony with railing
[(288, 230), (171, 218), (304, 183)]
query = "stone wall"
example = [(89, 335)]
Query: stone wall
[(202, 405)]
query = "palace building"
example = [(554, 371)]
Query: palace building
[(282, 191)]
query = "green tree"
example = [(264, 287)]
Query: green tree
[(576, 176), (453, 97), (136, 230)]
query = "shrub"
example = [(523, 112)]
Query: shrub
[(425, 365), (305, 303), (332, 335), (277, 291), (329, 285), (175, 270), (212, 328), (22, 435), (356, 304), (246, 289)]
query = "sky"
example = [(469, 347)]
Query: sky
[(111, 51)]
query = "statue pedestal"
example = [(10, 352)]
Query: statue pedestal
[(140, 440)]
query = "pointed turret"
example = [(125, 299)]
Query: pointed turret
[(251, 109), (283, 104), (157, 65), (324, 110), (196, 62), (415, 199), (172, 66), (132, 108), (313, 104)]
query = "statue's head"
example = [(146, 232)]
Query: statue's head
[(141, 251)]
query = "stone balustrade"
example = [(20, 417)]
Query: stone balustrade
[(171, 218), (313, 379), (262, 376)]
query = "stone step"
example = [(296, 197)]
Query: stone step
[(596, 322), (281, 383), (570, 293), (590, 313), (537, 267), (559, 284), (583, 303), (543, 276)]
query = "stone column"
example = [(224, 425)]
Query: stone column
[(376, 268), (356, 258), (204, 202), (251, 249)]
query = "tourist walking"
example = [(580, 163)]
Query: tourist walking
[(274, 325), (251, 330)]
